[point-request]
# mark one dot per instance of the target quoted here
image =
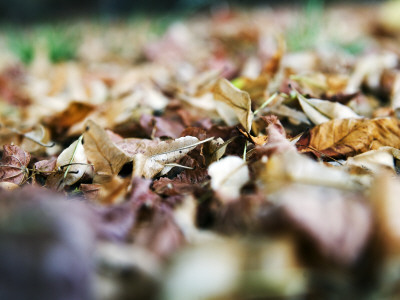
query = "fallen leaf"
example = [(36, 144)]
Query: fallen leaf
[(13, 164), (321, 111), (106, 157), (290, 166), (228, 176), (237, 101), (375, 161), (157, 157), (186, 182), (74, 113), (72, 162), (348, 137)]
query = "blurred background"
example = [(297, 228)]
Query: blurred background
[(25, 11)]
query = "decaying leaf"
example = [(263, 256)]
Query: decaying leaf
[(156, 158), (348, 137), (228, 176), (13, 164), (106, 157), (235, 103)]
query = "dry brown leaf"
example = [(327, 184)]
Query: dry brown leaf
[(106, 157), (13, 164), (74, 113), (236, 100), (348, 137)]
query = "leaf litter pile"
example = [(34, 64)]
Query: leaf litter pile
[(237, 155)]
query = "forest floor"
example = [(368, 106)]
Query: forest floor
[(232, 154)]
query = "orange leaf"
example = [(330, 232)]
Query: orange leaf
[(348, 137)]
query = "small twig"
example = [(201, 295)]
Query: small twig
[(268, 101), (323, 154)]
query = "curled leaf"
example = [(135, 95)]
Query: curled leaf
[(233, 99), (321, 111), (73, 162)]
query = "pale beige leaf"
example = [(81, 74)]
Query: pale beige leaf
[(290, 166), (155, 158), (73, 161), (312, 113), (239, 101), (333, 110), (228, 176), (375, 160)]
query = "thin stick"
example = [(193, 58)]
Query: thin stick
[(268, 101), (73, 156)]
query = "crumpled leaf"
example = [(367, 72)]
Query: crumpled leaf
[(106, 157), (321, 111), (156, 158), (235, 104), (228, 176), (348, 137), (13, 164), (73, 162)]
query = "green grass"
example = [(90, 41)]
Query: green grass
[(21, 44), (61, 42), (304, 33)]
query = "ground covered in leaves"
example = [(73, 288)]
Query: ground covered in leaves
[(232, 155)]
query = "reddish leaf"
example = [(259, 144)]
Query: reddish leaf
[(13, 164)]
